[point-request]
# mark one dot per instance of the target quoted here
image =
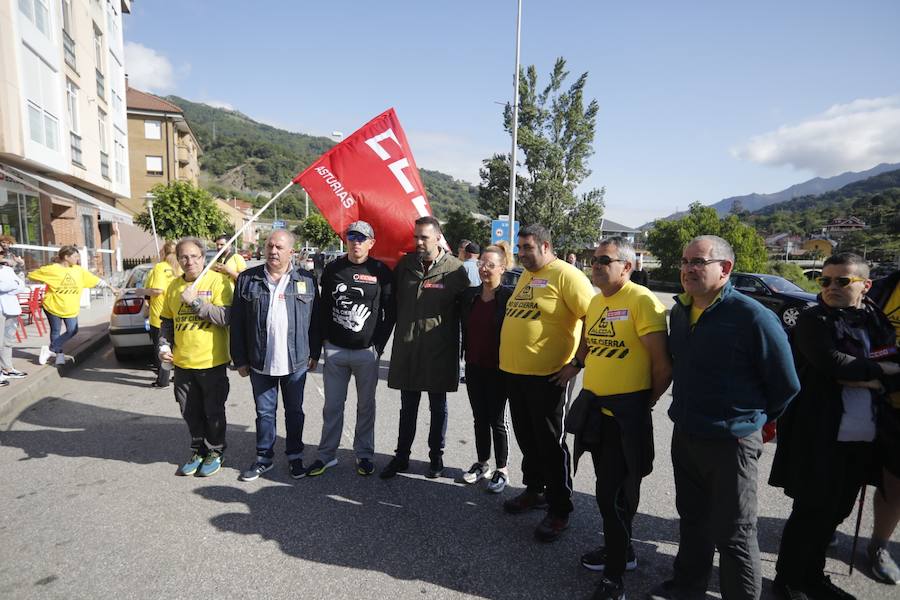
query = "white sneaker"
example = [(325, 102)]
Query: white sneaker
[(60, 359), (45, 355)]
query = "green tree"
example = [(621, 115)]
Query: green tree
[(667, 239), (180, 209), (461, 225), (555, 135), (316, 231)]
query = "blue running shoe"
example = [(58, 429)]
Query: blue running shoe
[(211, 464), (191, 466)]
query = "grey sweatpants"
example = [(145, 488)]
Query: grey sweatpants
[(715, 494), (340, 364), (7, 333)]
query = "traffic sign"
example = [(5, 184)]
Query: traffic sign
[(500, 231), (277, 224)]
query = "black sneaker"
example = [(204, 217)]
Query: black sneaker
[(608, 589), (298, 471), (824, 589), (788, 591), (365, 467), (435, 469), (319, 467), (595, 560), (255, 470), (524, 502), (551, 528), (395, 466)]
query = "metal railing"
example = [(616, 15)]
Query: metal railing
[(69, 50)]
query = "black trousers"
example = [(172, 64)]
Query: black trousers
[(715, 494), (617, 512), (487, 395), (162, 375), (201, 394), (815, 517), (437, 430), (537, 408)]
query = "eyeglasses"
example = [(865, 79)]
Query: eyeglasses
[(605, 260), (486, 265), (354, 236), (700, 262), (843, 282)]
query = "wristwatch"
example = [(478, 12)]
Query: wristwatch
[(575, 362), (196, 303)]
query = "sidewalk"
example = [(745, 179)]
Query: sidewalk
[(93, 326)]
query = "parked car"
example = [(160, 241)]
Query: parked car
[(785, 298), (510, 277), (129, 327)]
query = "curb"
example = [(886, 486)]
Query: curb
[(31, 390)]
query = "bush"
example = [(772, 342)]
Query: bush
[(793, 273)]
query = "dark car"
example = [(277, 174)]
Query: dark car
[(510, 277), (786, 299)]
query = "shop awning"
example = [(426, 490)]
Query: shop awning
[(108, 214)]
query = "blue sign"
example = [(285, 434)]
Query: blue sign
[(277, 224), (500, 231)]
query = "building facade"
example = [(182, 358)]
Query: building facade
[(163, 148), (63, 128)]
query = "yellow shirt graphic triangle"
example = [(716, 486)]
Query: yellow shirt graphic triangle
[(602, 327), (527, 293)]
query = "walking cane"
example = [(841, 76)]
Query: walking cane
[(862, 498)]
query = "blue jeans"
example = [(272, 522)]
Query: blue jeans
[(265, 393), (56, 323)]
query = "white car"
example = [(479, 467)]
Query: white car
[(129, 326)]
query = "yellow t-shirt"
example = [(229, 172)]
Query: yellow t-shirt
[(542, 325), (160, 277), (695, 314), (237, 262), (198, 344), (617, 362), (64, 287)]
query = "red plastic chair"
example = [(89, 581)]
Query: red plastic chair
[(32, 311)]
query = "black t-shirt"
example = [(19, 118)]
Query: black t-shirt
[(358, 304)]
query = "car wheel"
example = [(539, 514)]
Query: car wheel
[(790, 315)]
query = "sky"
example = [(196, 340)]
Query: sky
[(699, 100)]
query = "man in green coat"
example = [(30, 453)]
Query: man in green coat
[(425, 354)]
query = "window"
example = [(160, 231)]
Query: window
[(67, 16), (101, 122), (37, 12), (20, 217), (68, 42), (98, 48), (42, 101), (154, 165), (152, 130), (119, 150), (87, 226), (72, 105)]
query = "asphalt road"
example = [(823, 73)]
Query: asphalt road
[(90, 508)]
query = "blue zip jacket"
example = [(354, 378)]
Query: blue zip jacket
[(250, 308), (732, 371)]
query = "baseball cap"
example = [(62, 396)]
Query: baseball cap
[(363, 228)]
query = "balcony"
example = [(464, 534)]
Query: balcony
[(69, 50), (104, 165), (184, 155), (75, 147), (101, 85)]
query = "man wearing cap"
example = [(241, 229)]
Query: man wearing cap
[(470, 263), (357, 318)]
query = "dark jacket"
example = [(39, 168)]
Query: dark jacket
[(502, 295), (732, 371), (640, 278), (249, 310), (425, 354), (807, 432)]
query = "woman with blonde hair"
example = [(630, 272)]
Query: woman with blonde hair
[(483, 308), (65, 279), (155, 286)]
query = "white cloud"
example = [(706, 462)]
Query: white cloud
[(218, 104), (846, 137), (149, 70)]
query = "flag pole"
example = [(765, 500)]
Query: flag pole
[(239, 232), (515, 131)]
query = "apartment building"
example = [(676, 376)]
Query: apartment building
[(162, 146), (63, 128)]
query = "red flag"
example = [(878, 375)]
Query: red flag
[(371, 176)]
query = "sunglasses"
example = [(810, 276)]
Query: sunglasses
[(356, 237), (605, 260), (843, 282)]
